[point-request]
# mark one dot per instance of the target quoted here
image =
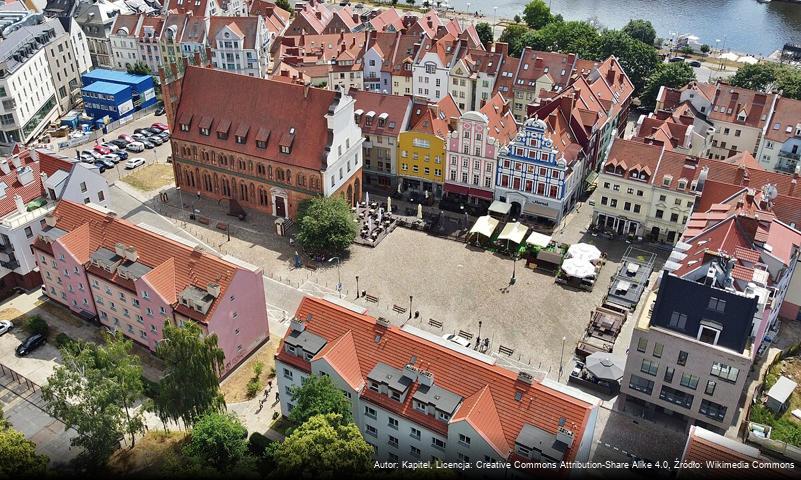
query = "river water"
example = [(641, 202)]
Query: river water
[(742, 25)]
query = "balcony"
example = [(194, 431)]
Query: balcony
[(788, 161)]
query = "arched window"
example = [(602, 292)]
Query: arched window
[(300, 180), (270, 172), (279, 175)]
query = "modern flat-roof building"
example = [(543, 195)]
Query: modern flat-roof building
[(133, 279), (416, 396), (104, 99), (142, 91)]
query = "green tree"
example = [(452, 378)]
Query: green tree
[(218, 440), (140, 68), (326, 225), (85, 395), (484, 31), (637, 59), (36, 324), (537, 14), (125, 370), (705, 49), (567, 37), (318, 396), (513, 35), (193, 364), (284, 4), (18, 457), (759, 76), (641, 30), (671, 75), (790, 82), (323, 447)]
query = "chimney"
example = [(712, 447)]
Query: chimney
[(19, 203), (342, 47), (355, 18), (306, 91), (792, 187), (567, 101), (538, 62), (319, 15), (16, 161), (44, 178), (610, 76), (749, 195), (5, 167), (502, 48)]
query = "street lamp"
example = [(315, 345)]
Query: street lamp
[(410, 306), (514, 270), (180, 199), (357, 286), (561, 357), (339, 277)]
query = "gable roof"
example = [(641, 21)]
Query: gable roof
[(729, 102), (92, 229), (287, 106), (501, 123), (394, 106), (539, 404), (14, 187), (198, 8), (786, 116), (246, 27)]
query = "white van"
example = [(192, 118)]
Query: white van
[(135, 147)]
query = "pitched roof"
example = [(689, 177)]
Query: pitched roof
[(634, 158), (534, 64), (730, 102), (480, 412), (246, 27), (288, 106), (50, 163), (785, 123), (341, 355), (92, 229), (394, 106), (198, 8), (386, 21), (704, 446), (538, 404), (14, 187), (500, 121), (434, 119)]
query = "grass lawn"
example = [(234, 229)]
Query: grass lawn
[(234, 388), (785, 427), (150, 177), (151, 453)]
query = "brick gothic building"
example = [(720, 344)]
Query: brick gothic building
[(266, 144)]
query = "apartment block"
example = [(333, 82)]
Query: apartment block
[(418, 397), (132, 279)]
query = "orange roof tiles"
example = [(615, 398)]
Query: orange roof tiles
[(538, 405), (31, 191), (730, 102), (91, 229), (785, 121), (341, 355), (480, 412)]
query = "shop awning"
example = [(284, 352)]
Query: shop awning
[(499, 207), (541, 211), (468, 191), (538, 239), (485, 226), (513, 232)]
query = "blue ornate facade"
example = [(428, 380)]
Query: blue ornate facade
[(534, 175)]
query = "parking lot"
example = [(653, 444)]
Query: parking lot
[(158, 154)]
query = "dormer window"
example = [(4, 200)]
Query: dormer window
[(682, 184), (373, 386), (443, 416), (708, 334), (284, 148), (419, 406), (240, 140), (204, 132), (261, 144), (666, 181)]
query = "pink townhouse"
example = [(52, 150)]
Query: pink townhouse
[(473, 149), (132, 280)]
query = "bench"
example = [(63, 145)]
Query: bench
[(465, 335), (222, 226), (370, 298), (203, 220), (435, 323), (310, 265), (506, 350), (398, 309)]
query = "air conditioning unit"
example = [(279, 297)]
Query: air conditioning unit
[(565, 436)]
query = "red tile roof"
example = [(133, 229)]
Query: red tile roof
[(289, 106), (246, 27), (535, 64), (786, 116), (50, 163), (91, 229), (29, 192), (634, 157), (540, 406), (341, 355), (198, 8), (500, 121), (387, 21), (730, 101), (395, 106)]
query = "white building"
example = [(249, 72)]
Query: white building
[(432, 67), (240, 45), (416, 396), (31, 182), (64, 66)]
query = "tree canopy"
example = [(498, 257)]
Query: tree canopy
[(641, 30), (18, 457), (485, 34), (326, 225), (637, 59), (567, 37), (284, 4), (537, 14), (140, 68), (324, 446), (218, 440), (769, 76), (93, 392), (671, 75), (513, 35), (193, 364), (316, 396)]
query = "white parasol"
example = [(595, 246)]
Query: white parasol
[(579, 268), (583, 251), (367, 198), (420, 211)]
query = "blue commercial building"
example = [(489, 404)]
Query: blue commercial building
[(101, 99), (140, 88)]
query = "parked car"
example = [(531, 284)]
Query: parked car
[(141, 131), (125, 137), (111, 158), (676, 59), (160, 126), (119, 142), (122, 155), (86, 157), (695, 63), (154, 131), (155, 140), (134, 162), (91, 153), (105, 163), (135, 147), (160, 111), (111, 147), (148, 144), (5, 327), (164, 136), (30, 344), (452, 337)]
